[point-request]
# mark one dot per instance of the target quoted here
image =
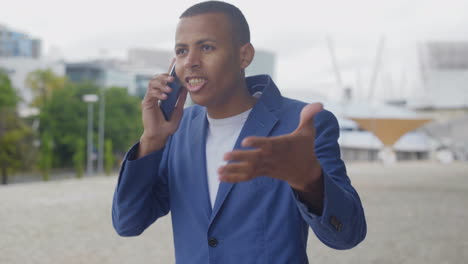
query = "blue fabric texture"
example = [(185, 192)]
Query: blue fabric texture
[(258, 221)]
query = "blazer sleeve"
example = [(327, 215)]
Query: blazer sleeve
[(142, 194), (342, 224)]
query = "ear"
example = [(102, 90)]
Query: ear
[(247, 53)]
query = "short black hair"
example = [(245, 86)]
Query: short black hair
[(240, 27)]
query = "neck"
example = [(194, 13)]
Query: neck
[(239, 103)]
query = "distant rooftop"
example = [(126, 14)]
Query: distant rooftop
[(444, 73), (447, 55)]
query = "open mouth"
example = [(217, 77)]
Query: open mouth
[(195, 83)]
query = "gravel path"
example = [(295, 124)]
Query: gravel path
[(416, 213)]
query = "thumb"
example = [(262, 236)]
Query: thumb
[(306, 121)]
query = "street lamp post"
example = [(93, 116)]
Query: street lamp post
[(90, 99)]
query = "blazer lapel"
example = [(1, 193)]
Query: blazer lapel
[(198, 143), (259, 123)]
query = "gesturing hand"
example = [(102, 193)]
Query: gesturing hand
[(288, 157)]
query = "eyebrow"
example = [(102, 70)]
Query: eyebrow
[(197, 43)]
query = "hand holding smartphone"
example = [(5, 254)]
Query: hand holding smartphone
[(167, 106)]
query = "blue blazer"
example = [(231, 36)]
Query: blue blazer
[(258, 221)]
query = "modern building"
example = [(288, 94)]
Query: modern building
[(113, 73), (149, 58), (444, 78), (263, 63), (18, 69), (141, 65), (144, 64), (17, 44), (359, 143), (101, 74), (133, 73)]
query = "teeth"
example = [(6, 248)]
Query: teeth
[(196, 81)]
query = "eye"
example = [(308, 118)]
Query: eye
[(206, 47), (181, 51)]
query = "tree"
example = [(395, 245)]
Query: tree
[(123, 119), (8, 96), (43, 83), (12, 143), (108, 157), (79, 157), (45, 155), (15, 136), (64, 115)]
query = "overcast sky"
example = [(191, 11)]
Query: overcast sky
[(294, 30)]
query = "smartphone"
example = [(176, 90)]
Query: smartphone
[(167, 106)]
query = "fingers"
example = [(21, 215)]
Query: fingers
[(156, 94), (157, 87), (236, 172), (263, 143), (234, 178), (248, 164), (242, 155)]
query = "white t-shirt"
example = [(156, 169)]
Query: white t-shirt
[(221, 138)]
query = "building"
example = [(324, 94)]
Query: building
[(18, 44), (263, 63), (360, 144), (133, 73), (18, 69), (149, 58), (112, 73), (444, 75), (444, 78), (141, 65), (20, 54), (145, 63), (100, 73)]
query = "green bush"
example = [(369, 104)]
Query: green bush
[(79, 157), (45, 156), (108, 157)]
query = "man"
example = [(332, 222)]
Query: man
[(245, 171)]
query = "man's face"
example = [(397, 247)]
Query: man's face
[(207, 59)]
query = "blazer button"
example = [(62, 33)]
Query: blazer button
[(212, 242), (336, 223)]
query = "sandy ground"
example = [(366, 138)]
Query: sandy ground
[(416, 213)]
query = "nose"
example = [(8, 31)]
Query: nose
[(192, 60)]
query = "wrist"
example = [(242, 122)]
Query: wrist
[(312, 191), (311, 182), (149, 144)]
